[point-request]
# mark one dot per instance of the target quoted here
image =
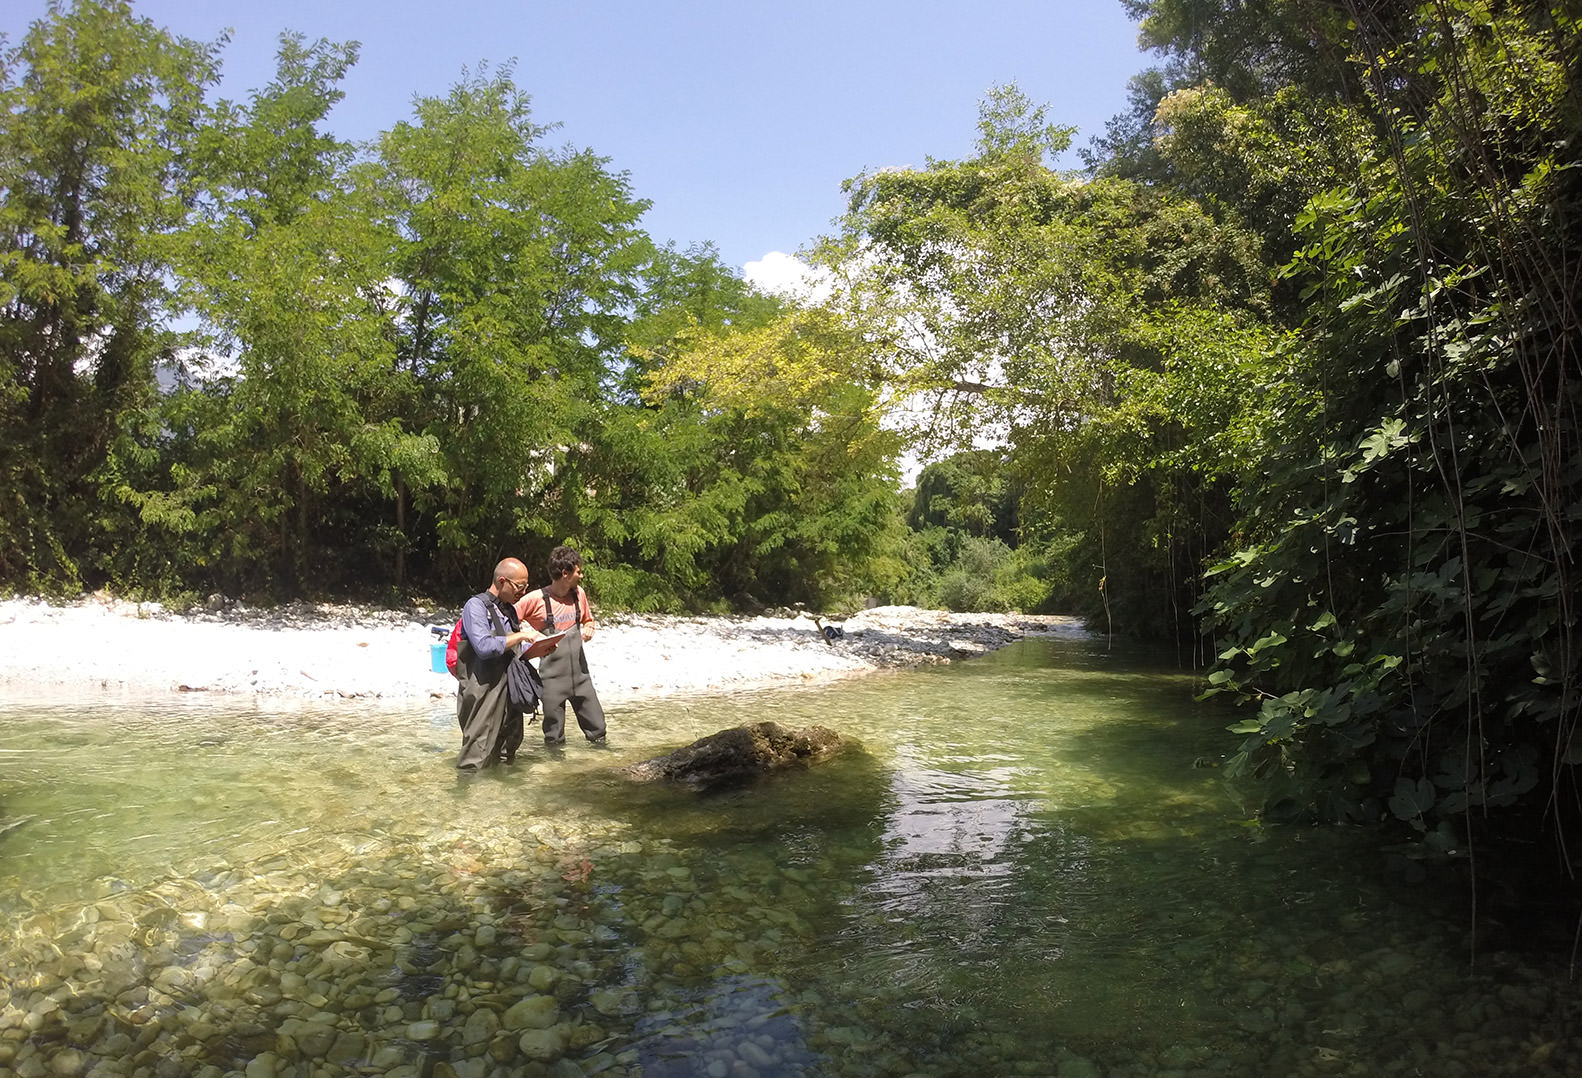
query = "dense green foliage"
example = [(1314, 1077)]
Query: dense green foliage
[(1395, 599), (970, 547), (239, 354), (1400, 603), (98, 135), (1291, 373)]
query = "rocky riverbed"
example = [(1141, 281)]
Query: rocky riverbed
[(564, 951)]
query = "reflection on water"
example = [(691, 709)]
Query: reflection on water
[(1023, 872)]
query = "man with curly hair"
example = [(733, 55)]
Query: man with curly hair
[(562, 606)]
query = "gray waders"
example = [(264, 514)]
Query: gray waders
[(566, 677), (491, 729)]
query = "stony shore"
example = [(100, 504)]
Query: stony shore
[(106, 647)]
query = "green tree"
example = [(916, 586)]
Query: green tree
[(1106, 331), (969, 492), (787, 492), (100, 114), (303, 407), (638, 515), (1245, 115), (1399, 600), (513, 269), (681, 293)]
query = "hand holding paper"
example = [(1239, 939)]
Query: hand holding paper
[(543, 645)]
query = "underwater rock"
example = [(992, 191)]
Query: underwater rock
[(12, 825), (739, 755)]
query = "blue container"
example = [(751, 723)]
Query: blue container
[(436, 658)]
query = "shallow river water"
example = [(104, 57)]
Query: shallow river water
[(1031, 867)]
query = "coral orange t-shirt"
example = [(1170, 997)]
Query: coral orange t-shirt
[(561, 615)]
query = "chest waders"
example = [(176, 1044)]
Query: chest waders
[(565, 674), (491, 729)]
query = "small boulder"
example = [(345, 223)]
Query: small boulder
[(739, 755)]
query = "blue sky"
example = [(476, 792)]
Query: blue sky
[(737, 120)]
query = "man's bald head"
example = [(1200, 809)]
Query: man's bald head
[(510, 574)]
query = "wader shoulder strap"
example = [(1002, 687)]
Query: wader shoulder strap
[(576, 605), (495, 616)]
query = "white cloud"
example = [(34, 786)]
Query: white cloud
[(786, 275)]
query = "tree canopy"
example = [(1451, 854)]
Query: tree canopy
[(241, 354)]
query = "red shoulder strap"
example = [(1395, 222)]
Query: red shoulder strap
[(451, 657)]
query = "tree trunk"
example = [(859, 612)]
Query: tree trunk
[(400, 553)]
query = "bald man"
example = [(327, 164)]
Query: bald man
[(491, 729)]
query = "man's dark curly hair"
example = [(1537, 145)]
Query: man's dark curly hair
[(562, 560)]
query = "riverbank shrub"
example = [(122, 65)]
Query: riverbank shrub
[(1396, 599)]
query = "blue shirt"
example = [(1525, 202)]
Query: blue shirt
[(477, 627)]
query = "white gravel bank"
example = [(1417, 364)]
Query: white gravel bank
[(107, 648)]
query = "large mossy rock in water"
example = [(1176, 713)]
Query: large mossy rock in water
[(739, 755)]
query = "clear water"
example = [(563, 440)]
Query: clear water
[(1032, 867)]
